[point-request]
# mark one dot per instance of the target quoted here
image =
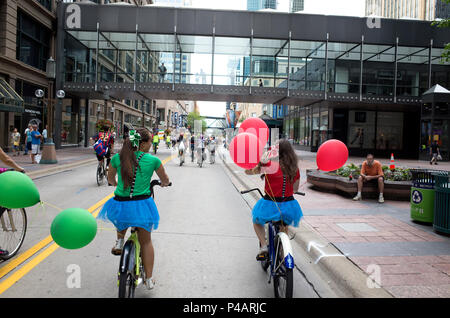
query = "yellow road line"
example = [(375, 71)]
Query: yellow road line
[(36, 248), (95, 210), (7, 283)]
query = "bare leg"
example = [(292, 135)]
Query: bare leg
[(147, 251), (261, 234), (121, 234), (381, 184), (360, 183)]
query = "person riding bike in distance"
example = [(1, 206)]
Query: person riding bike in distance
[(108, 140), (192, 141), (278, 203), (212, 146), (4, 158), (181, 146), (132, 205), (155, 141)]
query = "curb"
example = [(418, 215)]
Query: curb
[(48, 171), (348, 277)]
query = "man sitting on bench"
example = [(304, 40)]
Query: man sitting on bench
[(371, 171)]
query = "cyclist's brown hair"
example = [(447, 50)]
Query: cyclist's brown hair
[(288, 159), (128, 160)]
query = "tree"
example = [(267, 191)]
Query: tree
[(444, 23), (192, 117)]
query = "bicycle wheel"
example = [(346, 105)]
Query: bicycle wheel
[(126, 285), (13, 226), (100, 174), (283, 281)]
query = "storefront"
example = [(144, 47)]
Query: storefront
[(434, 122), (363, 128), (11, 109)]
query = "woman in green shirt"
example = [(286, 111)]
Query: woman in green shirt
[(132, 205)]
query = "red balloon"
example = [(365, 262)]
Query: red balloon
[(331, 155), (246, 150), (256, 126)]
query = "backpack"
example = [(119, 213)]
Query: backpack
[(101, 147)]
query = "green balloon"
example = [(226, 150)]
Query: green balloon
[(73, 228), (17, 190)]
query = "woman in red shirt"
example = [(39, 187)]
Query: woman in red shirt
[(282, 179)]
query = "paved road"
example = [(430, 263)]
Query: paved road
[(205, 245)]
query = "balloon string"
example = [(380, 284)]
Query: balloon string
[(51, 205), (42, 207)]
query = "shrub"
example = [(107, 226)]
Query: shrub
[(398, 174)]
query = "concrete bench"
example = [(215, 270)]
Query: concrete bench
[(393, 190)]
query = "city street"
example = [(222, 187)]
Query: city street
[(204, 247)]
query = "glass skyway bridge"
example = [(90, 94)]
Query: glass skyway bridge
[(115, 51)]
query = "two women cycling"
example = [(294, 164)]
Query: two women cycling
[(132, 205)]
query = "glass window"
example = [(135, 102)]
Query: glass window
[(361, 129), (33, 42), (315, 126), (323, 125), (390, 130)]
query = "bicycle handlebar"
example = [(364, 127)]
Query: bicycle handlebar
[(157, 183)]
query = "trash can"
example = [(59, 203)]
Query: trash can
[(422, 195), (441, 222)]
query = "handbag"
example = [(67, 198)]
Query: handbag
[(439, 157)]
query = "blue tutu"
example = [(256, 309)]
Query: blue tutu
[(267, 210), (125, 214)]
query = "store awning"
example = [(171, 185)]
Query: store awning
[(10, 101)]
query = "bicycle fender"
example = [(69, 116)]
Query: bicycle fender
[(127, 257), (287, 250)]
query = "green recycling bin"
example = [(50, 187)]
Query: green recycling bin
[(422, 195), (441, 222)]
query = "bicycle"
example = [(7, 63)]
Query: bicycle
[(280, 259), (13, 224), (181, 156), (155, 147), (131, 269), (101, 172)]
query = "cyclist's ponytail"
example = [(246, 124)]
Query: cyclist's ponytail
[(128, 162)]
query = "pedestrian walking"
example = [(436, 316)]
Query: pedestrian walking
[(15, 140), (45, 134), (28, 139), (35, 143), (162, 73), (260, 83), (435, 153)]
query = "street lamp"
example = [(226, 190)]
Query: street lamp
[(48, 151)]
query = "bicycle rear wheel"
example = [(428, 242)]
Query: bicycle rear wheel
[(283, 281), (13, 226), (100, 174), (127, 271), (126, 285)]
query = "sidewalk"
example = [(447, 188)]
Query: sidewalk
[(407, 259), (67, 158)]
